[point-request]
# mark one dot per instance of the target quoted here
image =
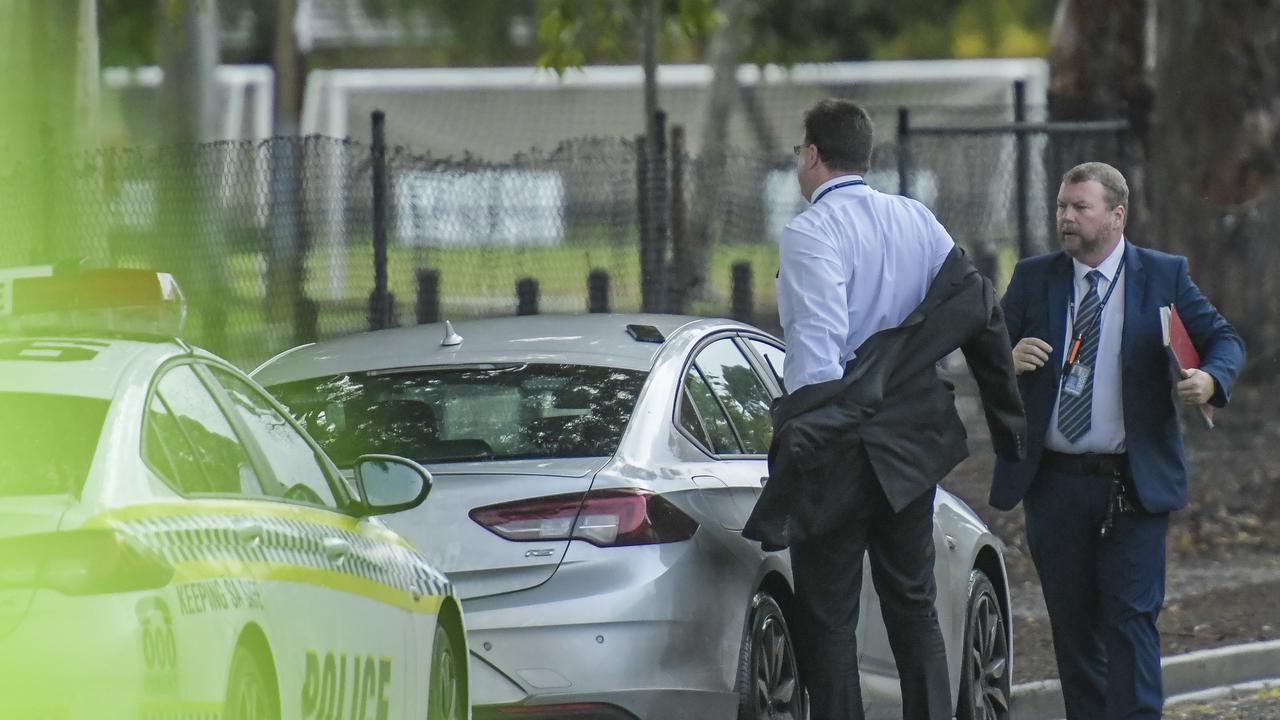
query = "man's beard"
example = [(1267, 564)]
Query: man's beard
[(1085, 245)]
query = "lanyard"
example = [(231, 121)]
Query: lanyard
[(1074, 353), (837, 186)]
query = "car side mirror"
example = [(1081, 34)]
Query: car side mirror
[(389, 483)]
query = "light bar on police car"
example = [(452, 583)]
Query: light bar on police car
[(107, 300)]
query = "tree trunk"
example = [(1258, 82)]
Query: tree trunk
[(286, 248), (710, 183), (1214, 157), (190, 240), (1098, 60), (651, 18), (189, 56)]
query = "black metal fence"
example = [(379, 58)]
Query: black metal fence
[(294, 239)]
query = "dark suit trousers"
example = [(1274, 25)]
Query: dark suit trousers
[(828, 582), (1103, 596)]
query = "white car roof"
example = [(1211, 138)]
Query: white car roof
[(85, 366), (595, 339)]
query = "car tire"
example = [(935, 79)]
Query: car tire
[(251, 687), (985, 679), (447, 697), (768, 684)]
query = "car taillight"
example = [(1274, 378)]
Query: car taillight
[(606, 518), (81, 562)]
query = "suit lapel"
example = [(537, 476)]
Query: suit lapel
[(1058, 291), (1135, 287)]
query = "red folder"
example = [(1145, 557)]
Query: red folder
[(1182, 353)]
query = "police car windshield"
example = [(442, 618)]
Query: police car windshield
[(47, 442), (438, 415)]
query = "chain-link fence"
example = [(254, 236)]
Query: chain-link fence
[(994, 187), (294, 239)]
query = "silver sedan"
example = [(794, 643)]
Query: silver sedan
[(592, 475)]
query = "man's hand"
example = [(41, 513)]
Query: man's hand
[(1196, 388), (1031, 354)]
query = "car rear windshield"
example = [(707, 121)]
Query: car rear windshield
[(455, 414), (47, 442)]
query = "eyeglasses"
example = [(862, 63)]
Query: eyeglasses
[(797, 149)]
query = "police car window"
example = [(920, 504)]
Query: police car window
[(740, 391), (47, 442), (774, 358), (717, 425), (299, 473), (188, 441)]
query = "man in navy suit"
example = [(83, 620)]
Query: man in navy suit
[(1105, 463)]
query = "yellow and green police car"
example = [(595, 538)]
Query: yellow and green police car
[(174, 546)]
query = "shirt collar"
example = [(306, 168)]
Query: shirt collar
[(1108, 268), (833, 181)]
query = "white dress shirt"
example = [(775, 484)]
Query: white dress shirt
[(856, 262), (1106, 429)]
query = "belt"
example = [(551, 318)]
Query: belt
[(1086, 463)]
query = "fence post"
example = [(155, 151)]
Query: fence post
[(306, 315), (904, 153), (661, 209), (680, 262), (740, 290), (526, 296), (644, 225), (381, 302), (427, 309), (598, 291), (1020, 139)]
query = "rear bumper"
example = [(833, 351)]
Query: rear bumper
[(622, 705), (643, 634)]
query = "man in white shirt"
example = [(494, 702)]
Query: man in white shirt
[(857, 262)]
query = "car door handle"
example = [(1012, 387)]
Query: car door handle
[(336, 549), (248, 533)]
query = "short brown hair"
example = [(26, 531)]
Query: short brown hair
[(842, 132), (1114, 188)]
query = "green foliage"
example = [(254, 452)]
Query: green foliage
[(827, 30), (573, 33)]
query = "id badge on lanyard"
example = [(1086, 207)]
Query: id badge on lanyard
[(1077, 380)]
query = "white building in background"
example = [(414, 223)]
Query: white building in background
[(131, 99), (494, 113)]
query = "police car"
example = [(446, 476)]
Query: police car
[(173, 545)]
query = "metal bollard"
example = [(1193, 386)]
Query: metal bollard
[(598, 291), (526, 296), (427, 308), (741, 308)]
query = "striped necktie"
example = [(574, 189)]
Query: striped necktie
[(1075, 411)]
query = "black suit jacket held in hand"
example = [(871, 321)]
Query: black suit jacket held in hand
[(892, 414)]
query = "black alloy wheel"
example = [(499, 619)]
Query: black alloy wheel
[(985, 681), (251, 687), (769, 686), (447, 697)]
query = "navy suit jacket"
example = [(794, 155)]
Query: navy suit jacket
[(1035, 305)]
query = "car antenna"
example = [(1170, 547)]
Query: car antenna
[(451, 338)]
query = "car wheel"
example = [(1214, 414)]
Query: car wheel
[(447, 696), (769, 686), (985, 678), (251, 687)]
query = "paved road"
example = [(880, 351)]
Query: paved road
[(1263, 704)]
